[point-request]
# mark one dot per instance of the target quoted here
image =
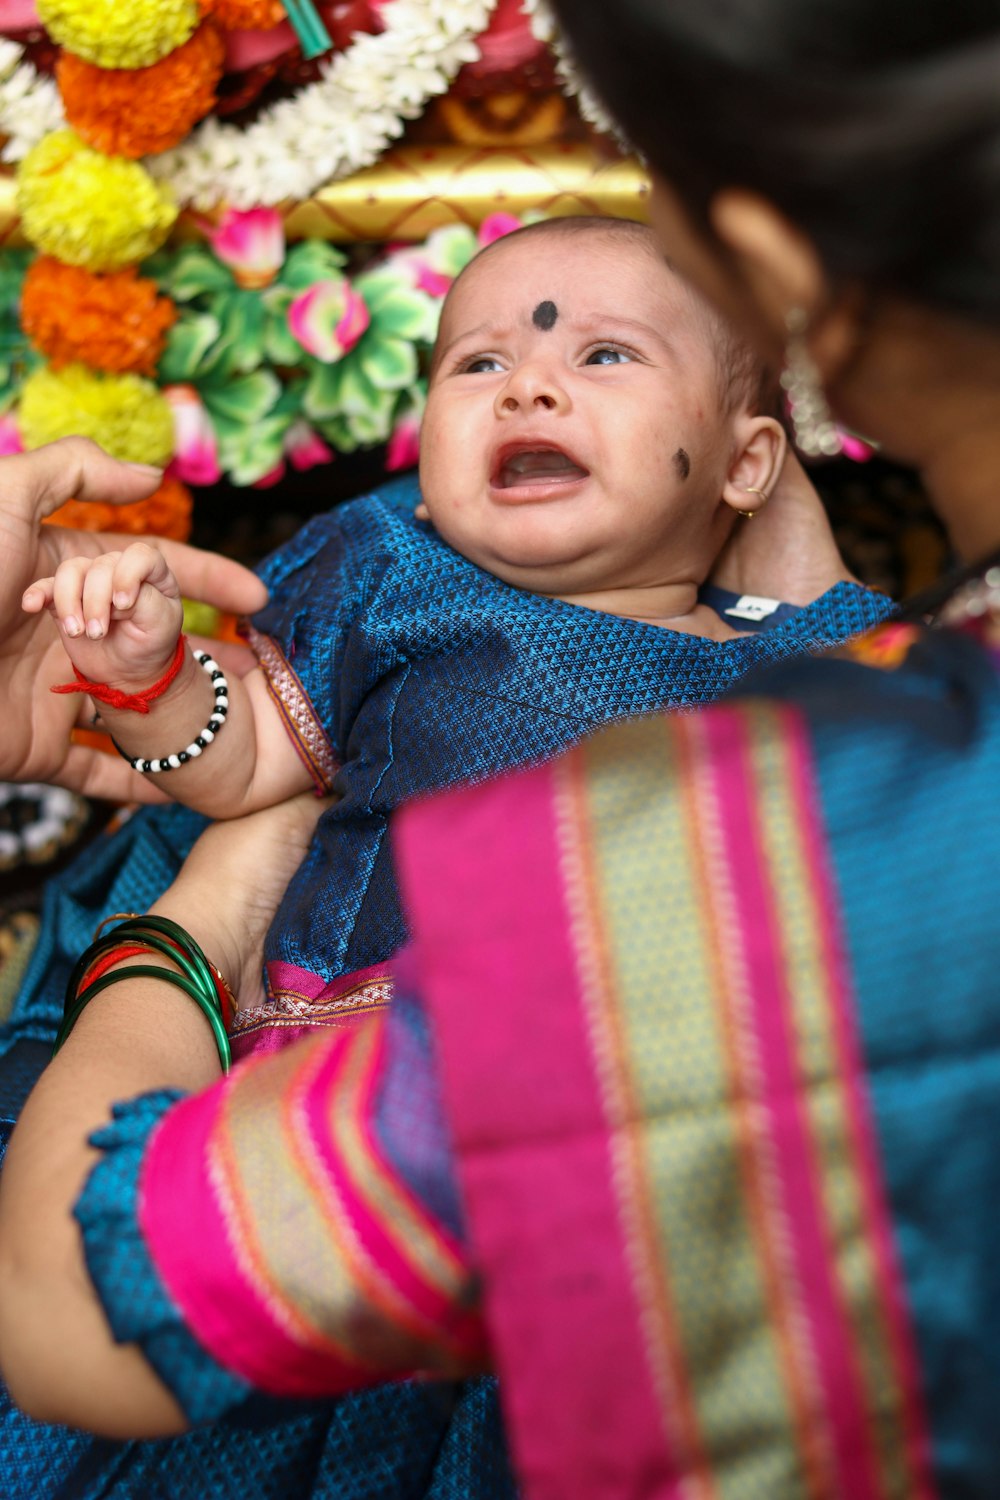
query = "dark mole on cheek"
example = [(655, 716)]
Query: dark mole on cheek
[(683, 463), (544, 315)]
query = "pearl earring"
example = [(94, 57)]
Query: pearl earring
[(813, 428)]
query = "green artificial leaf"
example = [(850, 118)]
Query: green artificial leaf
[(389, 364), (372, 426), (376, 286), (241, 337), (189, 349), (308, 262), (289, 403), (246, 400), (280, 346), (357, 393), (322, 399), (247, 453), (338, 434), (407, 314), (188, 272)]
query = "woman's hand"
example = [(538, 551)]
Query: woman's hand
[(787, 550), (231, 885), (35, 745)]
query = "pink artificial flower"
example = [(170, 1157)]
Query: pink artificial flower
[(495, 227), (434, 283), (328, 319), (251, 242), (10, 437), (403, 451), (305, 448), (196, 456), (272, 477)]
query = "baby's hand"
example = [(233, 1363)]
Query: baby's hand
[(120, 614)]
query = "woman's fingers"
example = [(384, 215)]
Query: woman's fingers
[(35, 484)]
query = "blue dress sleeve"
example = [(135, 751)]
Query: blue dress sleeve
[(312, 638)]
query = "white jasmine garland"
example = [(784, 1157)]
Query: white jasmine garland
[(29, 103), (335, 126), (329, 130), (545, 27)]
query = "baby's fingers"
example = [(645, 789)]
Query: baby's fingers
[(98, 586), (138, 564), (67, 594)]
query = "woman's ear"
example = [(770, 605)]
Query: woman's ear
[(757, 463), (781, 270)]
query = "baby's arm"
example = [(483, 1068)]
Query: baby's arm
[(120, 618)]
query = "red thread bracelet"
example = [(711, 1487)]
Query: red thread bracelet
[(114, 697)]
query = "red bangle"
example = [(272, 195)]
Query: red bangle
[(137, 702), (97, 970)]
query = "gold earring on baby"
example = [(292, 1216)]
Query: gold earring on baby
[(813, 427), (748, 515)]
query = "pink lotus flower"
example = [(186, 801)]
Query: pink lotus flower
[(328, 319), (251, 242), (10, 437), (196, 457), (403, 451), (495, 227), (305, 448)]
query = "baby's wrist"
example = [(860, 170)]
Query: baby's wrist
[(139, 686)]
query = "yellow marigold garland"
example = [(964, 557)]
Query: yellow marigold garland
[(126, 414), (115, 322), (90, 210), (139, 111), (119, 33)]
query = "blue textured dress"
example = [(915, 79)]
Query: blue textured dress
[(401, 668)]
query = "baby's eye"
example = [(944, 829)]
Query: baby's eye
[(482, 364), (608, 354)]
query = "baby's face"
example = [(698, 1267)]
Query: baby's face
[(573, 438)]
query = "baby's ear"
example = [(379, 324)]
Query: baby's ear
[(757, 462), (422, 513)]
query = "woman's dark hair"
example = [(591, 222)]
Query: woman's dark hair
[(874, 125)]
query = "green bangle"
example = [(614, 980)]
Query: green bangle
[(160, 934)]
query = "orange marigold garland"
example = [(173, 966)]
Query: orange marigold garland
[(140, 111), (117, 321), (167, 513), (245, 15)]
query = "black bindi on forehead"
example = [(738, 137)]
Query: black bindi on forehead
[(682, 463), (544, 315)]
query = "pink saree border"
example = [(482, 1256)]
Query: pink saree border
[(548, 1237)]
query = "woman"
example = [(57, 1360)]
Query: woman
[(724, 1111)]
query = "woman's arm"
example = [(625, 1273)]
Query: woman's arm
[(56, 1350)]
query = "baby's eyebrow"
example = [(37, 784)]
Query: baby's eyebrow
[(489, 330), (602, 322)]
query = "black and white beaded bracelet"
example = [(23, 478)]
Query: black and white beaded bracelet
[(201, 741)]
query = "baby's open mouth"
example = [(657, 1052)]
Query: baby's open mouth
[(537, 466)]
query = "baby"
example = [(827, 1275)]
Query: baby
[(591, 437)]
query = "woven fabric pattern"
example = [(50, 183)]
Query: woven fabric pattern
[(423, 671)]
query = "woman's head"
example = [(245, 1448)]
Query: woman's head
[(835, 164), (873, 127)]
